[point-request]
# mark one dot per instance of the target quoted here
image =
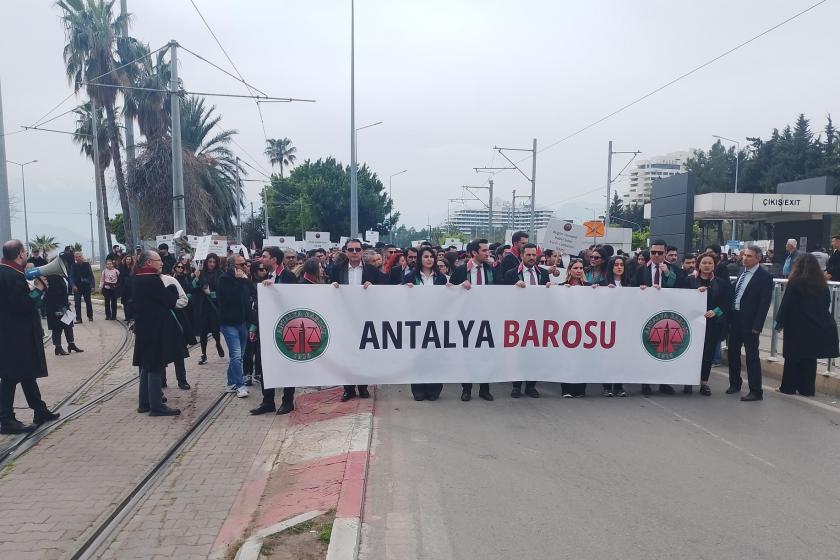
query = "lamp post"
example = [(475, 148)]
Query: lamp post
[(23, 182), (354, 170), (391, 211), (737, 160)]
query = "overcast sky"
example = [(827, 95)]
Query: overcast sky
[(450, 79)]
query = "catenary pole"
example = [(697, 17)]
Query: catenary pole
[(90, 213), (5, 209), (490, 216), (238, 204), (533, 192), (133, 235), (100, 217), (179, 212), (609, 185), (354, 185)]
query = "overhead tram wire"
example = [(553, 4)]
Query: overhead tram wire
[(680, 77), (205, 93)]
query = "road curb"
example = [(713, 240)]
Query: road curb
[(347, 527)]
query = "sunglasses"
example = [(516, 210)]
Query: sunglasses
[(595, 258), (657, 252), (179, 268), (354, 249)]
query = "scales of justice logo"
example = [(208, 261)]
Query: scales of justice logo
[(666, 336), (301, 335)]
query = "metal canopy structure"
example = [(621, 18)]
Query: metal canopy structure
[(762, 206)]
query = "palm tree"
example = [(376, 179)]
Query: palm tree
[(150, 108), (83, 135), (43, 243), (280, 152), (91, 54)]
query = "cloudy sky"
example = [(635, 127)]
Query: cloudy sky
[(449, 79)]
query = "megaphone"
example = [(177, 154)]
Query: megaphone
[(56, 266)]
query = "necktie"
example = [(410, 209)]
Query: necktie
[(656, 277), (533, 279), (478, 276), (740, 286)]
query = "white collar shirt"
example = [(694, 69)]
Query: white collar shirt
[(474, 274), (526, 275), (354, 274)]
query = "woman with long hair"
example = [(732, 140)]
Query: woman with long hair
[(718, 303), (616, 277), (574, 277), (809, 329), (597, 271), (124, 282), (311, 272), (444, 268), (424, 274), (207, 310)]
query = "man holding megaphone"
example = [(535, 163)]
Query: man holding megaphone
[(21, 339)]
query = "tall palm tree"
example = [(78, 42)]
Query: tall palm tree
[(280, 152), (151, 109), (43, 243), (83, 135), (92, 34)]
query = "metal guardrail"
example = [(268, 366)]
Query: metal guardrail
[(779, 285)]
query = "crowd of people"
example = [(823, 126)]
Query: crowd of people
[(173, 303)]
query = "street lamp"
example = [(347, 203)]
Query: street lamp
[(737, 159), (23, 181), (354, 181), (391, 211)]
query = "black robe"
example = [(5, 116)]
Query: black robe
[(21, 333)]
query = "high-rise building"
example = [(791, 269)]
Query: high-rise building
[(473, 221), (647, 171)]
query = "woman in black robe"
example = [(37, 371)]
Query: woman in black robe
[(207, 310)]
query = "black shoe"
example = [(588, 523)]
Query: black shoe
[(73, 348), (785, 391), (419, 398), (364, 394), (264, 408), (162, 399), (90, 319), (15, 427), (646, 390), (285, 408), (59, 351), (220, 350), (184, 385), (465, 395), (516, 393), (485, 395), (532, 392), (43, 416), (688, 389), (78, 321), (750, 397), (143, 409), (606, 393), (705, 390), (347, 395), (431, 397), (733, 389), (165, 411), (203, 360), (249, 381), (622, 393), (666, 389)]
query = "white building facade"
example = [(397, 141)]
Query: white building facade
[(474, 221), (647, 171)]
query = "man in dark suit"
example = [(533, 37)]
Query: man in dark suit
[(833, 265), (659, 274), (753, 292), (82, 282), (356, 273), (517, 241), (397, 273), (527, 274), (475, 272), (272, 259)]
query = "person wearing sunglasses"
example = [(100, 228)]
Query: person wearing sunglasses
[(658, 273), (355, 273), (596, 273)]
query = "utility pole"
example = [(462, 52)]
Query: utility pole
[(179, 211), (354, 186), (238, 204), (5, 209), (265, 209), (133, 233), (534, 192), (611, 179), (90, 213), (737, 161), (391, 210), (532, 179), (100, 218)]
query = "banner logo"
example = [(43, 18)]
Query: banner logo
[(666, 336), (301, 335)]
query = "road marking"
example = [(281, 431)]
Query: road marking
[(798, 398), (711, 433)]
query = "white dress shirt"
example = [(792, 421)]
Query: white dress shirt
[(474, 274), (526, 275), (354, 274), (427, 280)]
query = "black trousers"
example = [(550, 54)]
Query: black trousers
[(128, 308), (68, 334), (288, 395), (352, 388), (799, 375), (613, 387), (574, 389), (482, 387), (83, 291), (7, 397), (710, 347), (737, 339), (110, 303), (180, 371), (528, 384), (425, 390), (151, 391)]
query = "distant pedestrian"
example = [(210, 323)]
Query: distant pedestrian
[(57, 304), (792, 254), (82, 282), (109, 279)]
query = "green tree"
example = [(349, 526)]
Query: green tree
[(117, 227), (90, 55), (616, 207), (83, 135), (43, 243), (280, 152), (316, 197)]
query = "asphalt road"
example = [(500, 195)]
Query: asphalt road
[(667, 477)]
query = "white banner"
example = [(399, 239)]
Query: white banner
[(283, 242), (321, 335), (564, 236), (372, 237)]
